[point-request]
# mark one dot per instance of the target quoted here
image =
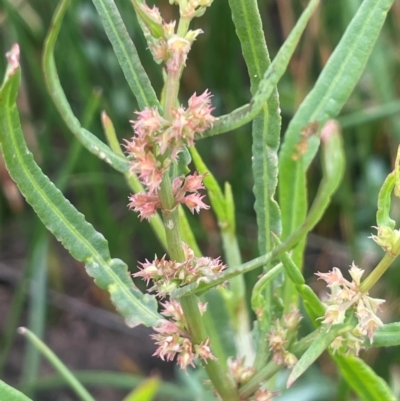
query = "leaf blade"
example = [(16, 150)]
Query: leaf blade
[(63, 220), (329, 94), (88, 140), (126, 53), (363, 380), (9, 393)]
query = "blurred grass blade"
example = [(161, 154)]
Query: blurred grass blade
[(101, 378), (90, 141), (317, 347), (267, 85), (324, 102), (9, 393), (77, 387), (367, 115), (386, 336), (146, 391), (60, 217), (126, 54), (36, 302), (363, 380)]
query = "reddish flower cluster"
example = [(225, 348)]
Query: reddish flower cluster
[(168, 274), (173, 338), (347, 295), (156, 143)]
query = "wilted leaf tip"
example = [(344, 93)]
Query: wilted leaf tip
[(13, 59)]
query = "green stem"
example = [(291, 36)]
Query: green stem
[(379, 270), (241, 317), (220, 378), (269, 370)]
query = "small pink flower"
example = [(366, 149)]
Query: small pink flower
[(186, 356), (203, 350), (145, 205), (173, 309), (194, 202), (334, 277), (148, 122), (193, 182)]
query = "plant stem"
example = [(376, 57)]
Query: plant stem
[(377, 273), (381, 268), (220, 378)]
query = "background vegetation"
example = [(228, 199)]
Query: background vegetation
[(42, 288)]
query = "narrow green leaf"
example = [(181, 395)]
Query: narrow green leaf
[(90, 141), (9, 393), (291, 270), (126, 53), (72, 381), (146, 391), (317, 347), (267, 124), (61, 218), (267, 85), (324, 102), (363, 380), (386, 336), (258, 303), (312, 303), (333, 164)]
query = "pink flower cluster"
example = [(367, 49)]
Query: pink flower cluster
[(167, 275), (166, 45), (158, 142), (346, 295), (173, 338), (280, 337)]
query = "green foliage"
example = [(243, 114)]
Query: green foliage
[(63, 220), (9, 393), (363, 380)]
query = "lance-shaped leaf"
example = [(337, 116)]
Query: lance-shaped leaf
[(126, 53), (363, 380), (9, 393), (387, 335), (90, 141), (267, 124), (60, 217), (318, 346), (324, 102), (267, 85)]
